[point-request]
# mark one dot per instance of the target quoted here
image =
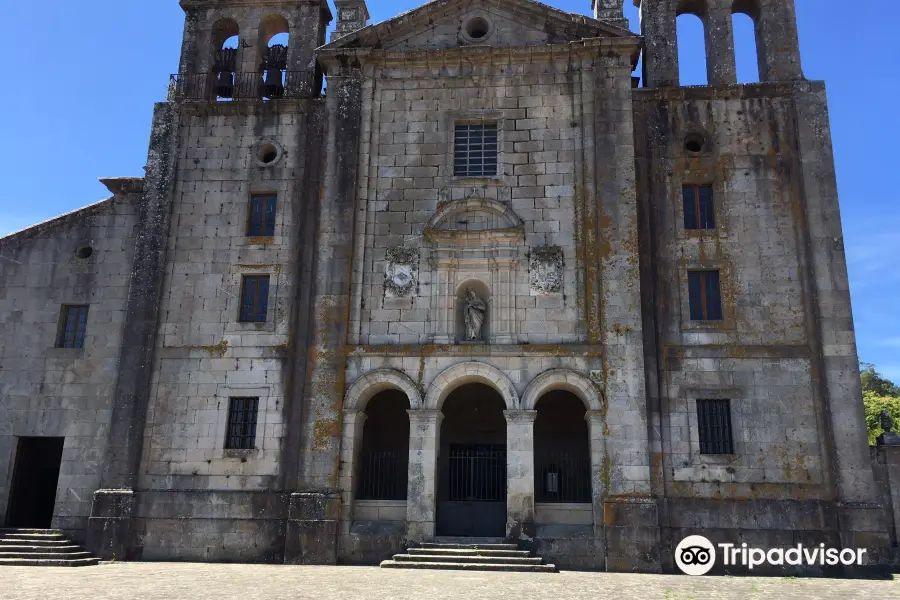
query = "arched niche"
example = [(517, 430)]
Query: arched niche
[(474, 239), (273, 50), (483, 292)]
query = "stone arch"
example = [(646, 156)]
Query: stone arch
[(470, 372), (561, 379), (223, 30), (504, 217), (367, 385)]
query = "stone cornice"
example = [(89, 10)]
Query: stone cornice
[(195, 5), (123, 185), (468, 55), (571, 25)]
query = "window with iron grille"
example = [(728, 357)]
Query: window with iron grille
[(562, 476), (475, 150), (241, 432), (705, 295), (254, 298), (262, 215), (698, 207), (714, 420), (73, 326)]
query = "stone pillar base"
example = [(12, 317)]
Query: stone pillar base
[(312, 528), (110, 526), (631, 527), (866, 525)]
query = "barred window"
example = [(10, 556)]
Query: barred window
[(73, 326), (262, 215), (241, 432), (254, 298), (698, 207), (714, 419), (705, 295), (475, 150)]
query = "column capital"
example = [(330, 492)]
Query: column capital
[(424, 416), (350, 414), (520, 416)]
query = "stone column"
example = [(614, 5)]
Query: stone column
[(520, 474), (354, 421), (597, 439), (720, 66), (421, 497)]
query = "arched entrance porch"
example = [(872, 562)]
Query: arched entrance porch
[(472, 474)]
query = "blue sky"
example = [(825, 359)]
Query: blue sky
[(80, 89)]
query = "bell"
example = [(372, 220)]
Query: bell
[(225, 85), (274, 87)]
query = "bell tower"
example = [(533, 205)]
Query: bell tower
[(247, 50), (775, 24)]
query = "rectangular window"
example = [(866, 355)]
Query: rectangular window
[(262, 215), (705, 295), (254, 298), (241, 433), (475, 150), (698, 207), (73, 325), (714, 420)]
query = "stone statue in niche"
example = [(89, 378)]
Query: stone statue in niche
[(546, 268), (475, 312), (401, 273)]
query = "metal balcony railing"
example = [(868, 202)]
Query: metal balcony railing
[(228, 86)]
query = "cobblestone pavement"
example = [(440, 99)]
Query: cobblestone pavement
[(175, 581)]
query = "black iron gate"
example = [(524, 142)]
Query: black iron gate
[(475, 503), (478, 473)]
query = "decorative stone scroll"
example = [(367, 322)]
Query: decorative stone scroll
[(401, 273), (546, 270)]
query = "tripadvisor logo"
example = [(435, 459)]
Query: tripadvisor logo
[(696, 555)]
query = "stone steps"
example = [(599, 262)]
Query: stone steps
[(43, 548), (450, 552), (44, 562), (486, 560), (447, 566), (467, 555)]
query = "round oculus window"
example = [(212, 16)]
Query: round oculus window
[(477, 29), (268, 153)]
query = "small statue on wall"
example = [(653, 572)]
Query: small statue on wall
[(475, 312)]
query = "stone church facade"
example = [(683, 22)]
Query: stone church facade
[(483, 285)]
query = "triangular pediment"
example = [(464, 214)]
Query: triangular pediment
[(444, 24)]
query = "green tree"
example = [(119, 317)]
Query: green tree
[(874, 405), (873, 381), (879, 393)]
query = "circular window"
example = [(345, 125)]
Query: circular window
[(695, 143), (477, 29), (84, 252), (268, 153)]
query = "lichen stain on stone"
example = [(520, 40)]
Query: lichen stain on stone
[(324, 430), (215, 350), (261, 240)]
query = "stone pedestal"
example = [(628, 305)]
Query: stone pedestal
[(520, 474), (110, 526), (421, 497), (312, 526)]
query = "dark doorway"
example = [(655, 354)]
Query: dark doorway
[(472, 464), (384, 456), (34, 482)]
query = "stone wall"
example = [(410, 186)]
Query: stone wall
[(65, 392)]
